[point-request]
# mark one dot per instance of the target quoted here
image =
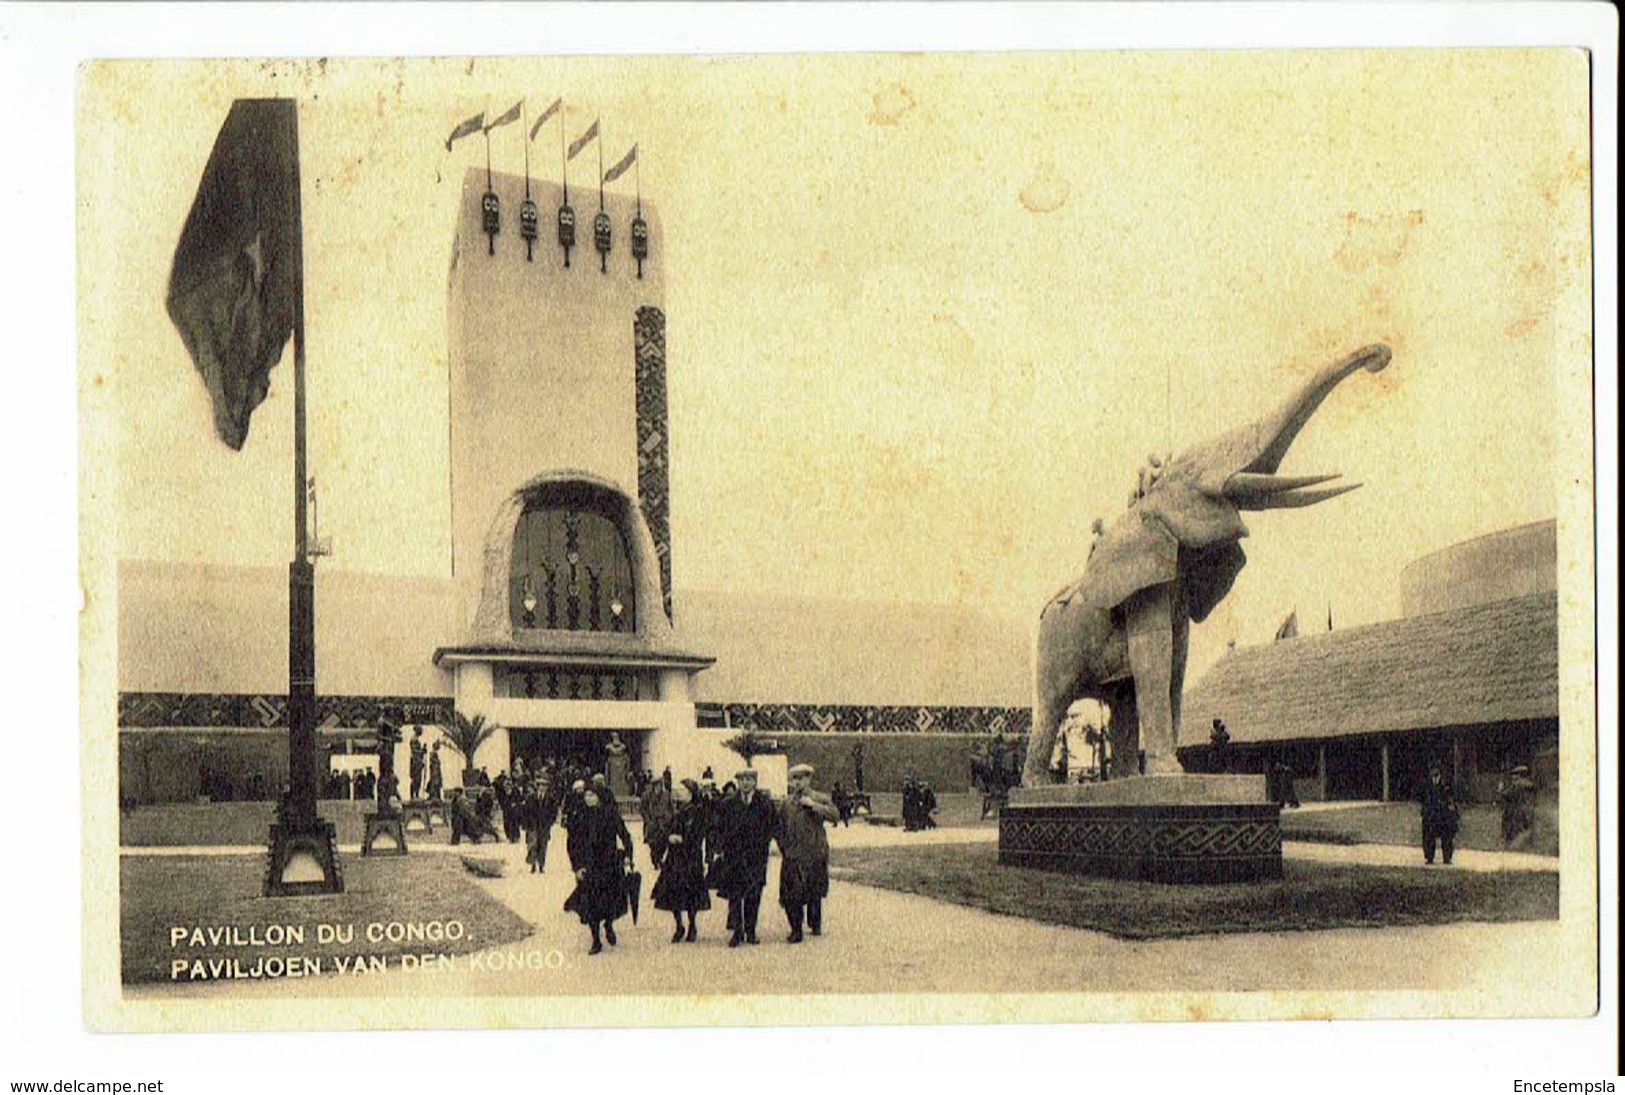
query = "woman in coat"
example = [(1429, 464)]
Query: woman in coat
[(681, 858), (599, 847)]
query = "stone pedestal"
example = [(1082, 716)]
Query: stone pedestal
[(384, 835), (303, 861), (1175, 828), (417, 816)]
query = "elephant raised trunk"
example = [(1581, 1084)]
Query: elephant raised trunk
[(1119, 634)]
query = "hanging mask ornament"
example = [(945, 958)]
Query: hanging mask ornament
[(601, 238), (567, 230), (491, 214), (640, 241), (527, 226)]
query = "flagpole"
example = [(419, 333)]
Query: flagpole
[(564, 161), (524, 127), (599, 141), (301, 575)]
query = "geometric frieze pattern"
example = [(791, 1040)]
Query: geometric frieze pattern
[(1142, 837), (831, 718), (653, 435), (270, 711)]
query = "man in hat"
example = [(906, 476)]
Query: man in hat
[(746, 830), (799, 829), (600, 787), (1514, 793)]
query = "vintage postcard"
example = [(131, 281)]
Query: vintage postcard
[(971, 537)]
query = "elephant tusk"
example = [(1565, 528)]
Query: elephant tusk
[(1251, 484), (1293, 499)]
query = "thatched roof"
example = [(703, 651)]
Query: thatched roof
[(1486, 663)]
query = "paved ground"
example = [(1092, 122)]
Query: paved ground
[(881, 941)]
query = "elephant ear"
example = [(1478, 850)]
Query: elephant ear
[(1134, 554), (1176, 531), (1209, 575)]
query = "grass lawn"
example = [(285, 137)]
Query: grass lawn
[(1311, 895), (212, 824), (1401, 823), (157, 893), (191, 824)]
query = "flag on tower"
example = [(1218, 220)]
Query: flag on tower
[(623, 166), (547, 115), (584, 140), (466, 128), (1288, 628), (238, 271), (509, 115)]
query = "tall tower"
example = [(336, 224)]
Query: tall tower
[(561, 554)]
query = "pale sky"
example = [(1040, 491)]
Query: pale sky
[(926, 313)]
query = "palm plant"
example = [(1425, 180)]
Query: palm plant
[(466, 735), (750, 745)]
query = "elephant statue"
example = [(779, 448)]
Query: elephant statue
[(1120, 633)]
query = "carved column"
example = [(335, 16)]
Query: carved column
[(649, 340)]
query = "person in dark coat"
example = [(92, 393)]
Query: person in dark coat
[(1287, 781), (508, 798), (540, 809), (681, 859), (467, 819), (710, 804), (656, 808), (1439, 816), (928, 806), (1515, 792), (843, 804), (600, 851), (570, 807), (746, 833), (911, 804), (799, 829)]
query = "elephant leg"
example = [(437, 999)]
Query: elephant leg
[(1176, 685), (1151, 648), (1125, 732), (1049, 709)]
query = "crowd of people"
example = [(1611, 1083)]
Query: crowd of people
[(919, 804), (699, 838)]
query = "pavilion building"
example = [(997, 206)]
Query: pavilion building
[(1466, 678)]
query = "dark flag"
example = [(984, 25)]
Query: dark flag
[(466, 128), (509, 115), (1288, 628), (584, 140), (558, 104), (237, 271), (623, 166)]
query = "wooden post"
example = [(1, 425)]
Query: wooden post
[(1387, 782)]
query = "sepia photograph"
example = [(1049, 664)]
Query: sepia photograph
[(1014, 536)]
